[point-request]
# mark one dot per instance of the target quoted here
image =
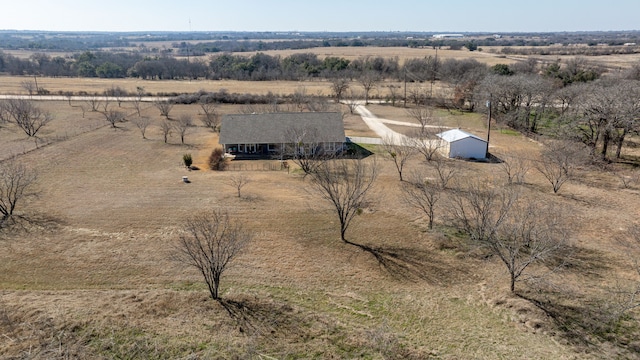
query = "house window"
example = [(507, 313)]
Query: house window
[(330, 146)]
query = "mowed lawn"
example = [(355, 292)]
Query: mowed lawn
[(94, 276)]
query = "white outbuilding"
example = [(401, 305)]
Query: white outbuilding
[(461, 144)]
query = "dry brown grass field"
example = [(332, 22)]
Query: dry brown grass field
[(12, 85), (93, 277), (402, 53), (56, 86)]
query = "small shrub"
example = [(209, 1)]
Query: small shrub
[(187, 159), (217, 161)]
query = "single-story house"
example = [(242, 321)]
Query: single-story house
[(461, 144), (279, 133)]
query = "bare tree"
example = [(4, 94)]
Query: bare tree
[(105, 104), (345, 184), (93, 102), (423, 195), (137, 100), (400, 150), (29, 117), (369, 80), (320, 104), (352, 102), (339, 86), (520, 101), (238, 182), (116, 92), (16, 184), (300, 98), (184, 123), (166, 128), (5, 117), (113, 117), (418, 95), (164, 106), (270, 108), (210, 242), (479, 209), (303, 149), (520, 233), (428, 144), (424, 116), (515, 167), (29, 86), (426, 140), (445, 169), (142, 123), (535, 233), (211, 118), (559, 160), (69, 96), (394, 93)]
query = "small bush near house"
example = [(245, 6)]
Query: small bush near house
[(217, 161), (187, 159)]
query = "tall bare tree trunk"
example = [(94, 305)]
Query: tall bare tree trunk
[(620, 142)]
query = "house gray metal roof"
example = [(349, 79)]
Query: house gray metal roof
[(277, 128)]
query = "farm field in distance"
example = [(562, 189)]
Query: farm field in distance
[(93, 275)]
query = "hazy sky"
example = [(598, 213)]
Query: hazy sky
[(320, 15)]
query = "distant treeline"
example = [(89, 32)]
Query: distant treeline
[(259, 67), (263, 67), (210, 42)]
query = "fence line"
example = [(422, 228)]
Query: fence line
[(256, 167)]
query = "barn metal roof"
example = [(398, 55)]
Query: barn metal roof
[(457, 134)]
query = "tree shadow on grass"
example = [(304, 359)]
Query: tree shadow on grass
[(27, 223), (586, 262), (262, 318), (413, 264), (586, 323)]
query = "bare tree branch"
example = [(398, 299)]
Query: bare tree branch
[(400, 150), (422, 194), (211, 118), (25, 114), (184, 123), (142, 123), (210, 242), (345, 184), (164, 107), (16, 183), (238, 182)]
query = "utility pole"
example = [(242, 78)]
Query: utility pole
[(434, 70), (405, 85), (488, 124)]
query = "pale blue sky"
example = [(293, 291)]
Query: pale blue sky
[(320, 15)]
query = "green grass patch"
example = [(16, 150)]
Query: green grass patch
[(361, 150), (507, 131)]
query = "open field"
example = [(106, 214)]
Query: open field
[(347, 52), (402, 53), (12, 85), (93, 276)]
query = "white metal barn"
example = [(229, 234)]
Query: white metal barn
[(461, 144)]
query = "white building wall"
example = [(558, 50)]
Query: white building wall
[(468, 148)]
